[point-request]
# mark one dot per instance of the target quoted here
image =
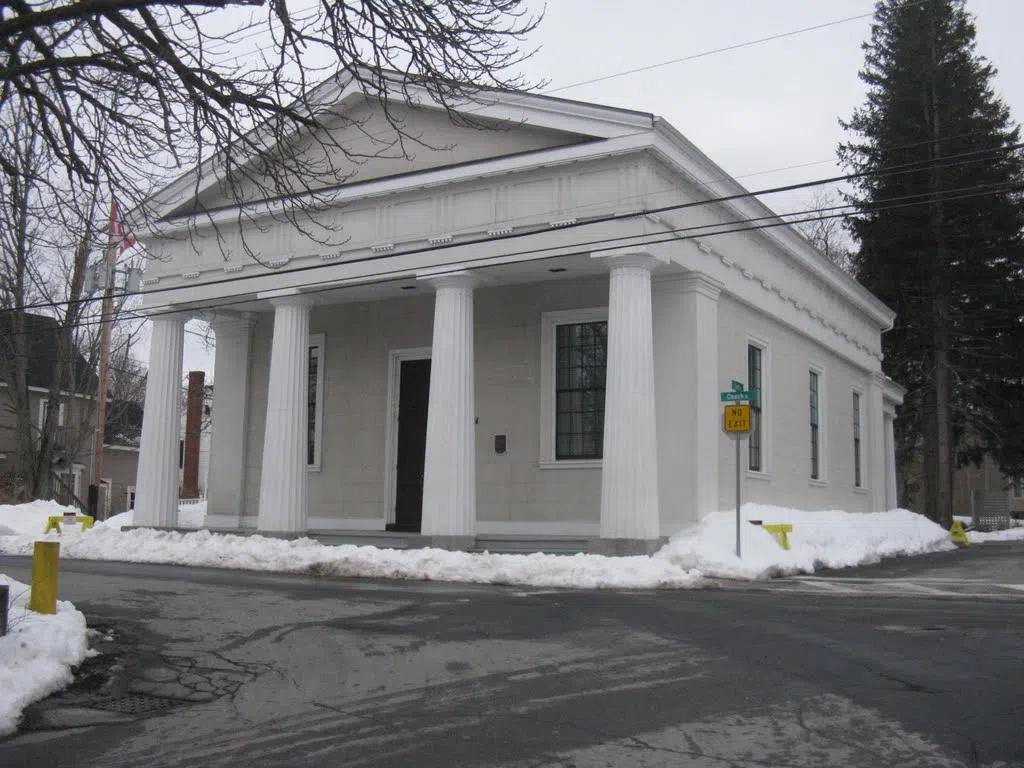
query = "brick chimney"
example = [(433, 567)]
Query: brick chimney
[(193, 431)]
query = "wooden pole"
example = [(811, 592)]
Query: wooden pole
[(106, 328)]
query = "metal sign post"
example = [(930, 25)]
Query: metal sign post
[(739, 484), (736, 424)]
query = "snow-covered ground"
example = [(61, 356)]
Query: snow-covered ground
[(37, 654), (832, 539)]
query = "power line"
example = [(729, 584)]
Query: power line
[(891, 170), (649, 67), (738, 226), (911, 167), (714, 51)]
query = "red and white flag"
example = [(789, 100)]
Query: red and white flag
[(117, 233)]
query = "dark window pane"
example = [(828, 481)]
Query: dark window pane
[(314, 372), (581, 351), (814, 425), (856, 441), (756, 405)]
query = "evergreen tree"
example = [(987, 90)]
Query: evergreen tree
[(939, 224)]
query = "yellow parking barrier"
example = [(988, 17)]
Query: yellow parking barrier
[(780, 532), (53, 523), (45, 561)]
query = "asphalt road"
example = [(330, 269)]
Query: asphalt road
[(260, 670)]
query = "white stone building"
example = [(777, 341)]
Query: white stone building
[(520, 331)]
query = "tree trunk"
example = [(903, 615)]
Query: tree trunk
[(938, 437)]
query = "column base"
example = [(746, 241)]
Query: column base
[(451, 543), (287, 535), (625, 547)]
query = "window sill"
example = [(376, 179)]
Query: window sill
[(753, 474), (819, 483), (571, 464)]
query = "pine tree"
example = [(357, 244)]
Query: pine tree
[(939, 225)]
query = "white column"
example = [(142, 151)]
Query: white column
[(449, 472), (876, 446), (686, 394), (891, 495), (629, 473), (156, 482), (225, 483), (282, 507)]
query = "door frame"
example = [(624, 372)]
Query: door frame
[(395, 359), (109, 483)]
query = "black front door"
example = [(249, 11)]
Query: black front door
[(413, 396)]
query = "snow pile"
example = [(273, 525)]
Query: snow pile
[(189, 516), (30, 519), (1010, 534), (259, 553), (827, 539), (38, 653)]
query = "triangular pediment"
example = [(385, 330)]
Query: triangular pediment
[(358, 140)]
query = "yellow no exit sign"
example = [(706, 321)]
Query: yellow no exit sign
[(736, 418)]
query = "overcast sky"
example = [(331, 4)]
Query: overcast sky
[(758, 108)]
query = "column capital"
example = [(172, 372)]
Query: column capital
[(293, 300), (629, 257), (698, 282), (170, 314), (286, 297), (227, 323), (459, 279)]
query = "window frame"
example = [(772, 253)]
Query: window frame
[(317, 341), (44, 406), (821, 426), (857, 427), (548, 383), (1017, 487), (764, 431)]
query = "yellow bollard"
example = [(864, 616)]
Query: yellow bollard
[(959, 534), (45, 559)]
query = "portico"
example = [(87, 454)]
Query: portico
[(623, 514)]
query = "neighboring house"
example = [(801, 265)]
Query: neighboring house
[(75, 443), (975, 481), (502, 342)]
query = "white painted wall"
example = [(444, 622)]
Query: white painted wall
[(787, 362), (514, 491)]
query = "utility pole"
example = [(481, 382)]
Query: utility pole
[(116, 242)]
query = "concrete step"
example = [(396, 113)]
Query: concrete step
[(381, 539), (508, 544)]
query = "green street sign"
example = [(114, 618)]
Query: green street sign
[(738, 395), (737, 386)]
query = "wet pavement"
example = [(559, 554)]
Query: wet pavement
[(201, 667)]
